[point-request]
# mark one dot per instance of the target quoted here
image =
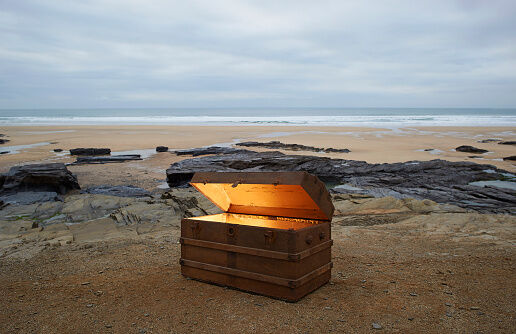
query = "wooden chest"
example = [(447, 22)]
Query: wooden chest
[(274, 237)]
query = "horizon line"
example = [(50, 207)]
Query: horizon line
[(212, 108)]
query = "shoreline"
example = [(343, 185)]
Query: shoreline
[(374, 145), (310, 117)]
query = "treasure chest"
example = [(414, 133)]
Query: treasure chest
[(273, 238)]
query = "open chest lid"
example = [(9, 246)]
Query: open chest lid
[(285, 194)]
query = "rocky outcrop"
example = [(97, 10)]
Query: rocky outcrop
[(292, 147), (336, 150), (30, 197), (121, 191), (161, 149), (470, 149), (438, 180), (58, 150), (509, 142), (511, 158), (170, 208), (3, 141), (195, 152), (490, 140), (53, 177), (107, 159), (90, 151)]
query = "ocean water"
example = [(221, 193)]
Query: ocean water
[(362, 117)]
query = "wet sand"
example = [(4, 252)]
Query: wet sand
[(373, 145)]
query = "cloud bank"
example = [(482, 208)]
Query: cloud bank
[(137, 53)]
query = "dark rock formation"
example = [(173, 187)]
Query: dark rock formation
[(161, 149), (3, 141), (4, 152), (336, 150), (58, 150), (53, 177), (120, 191), (185, 204), (291, 147), (490, 140), (511, 158), (30, 197), (470, 149), (509, 142), (90, 151), (439, 180), (105, 160), (209, 150)]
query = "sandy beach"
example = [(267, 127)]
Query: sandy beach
[(373, 145), (82, 265)]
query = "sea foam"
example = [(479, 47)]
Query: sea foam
[(384, 118)]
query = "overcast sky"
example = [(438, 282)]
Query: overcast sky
[(132, 53)]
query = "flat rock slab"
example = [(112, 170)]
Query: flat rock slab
[(489, 140), (195, 152), (470, 149), (438, 180), (107, 159), (510, 142), (292, 147), (53, 177), (90, 151), (30, 197), (121, 191)]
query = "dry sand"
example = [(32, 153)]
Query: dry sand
[(410, 266), (408, 271)]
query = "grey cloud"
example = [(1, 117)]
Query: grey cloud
[(257, 53)]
